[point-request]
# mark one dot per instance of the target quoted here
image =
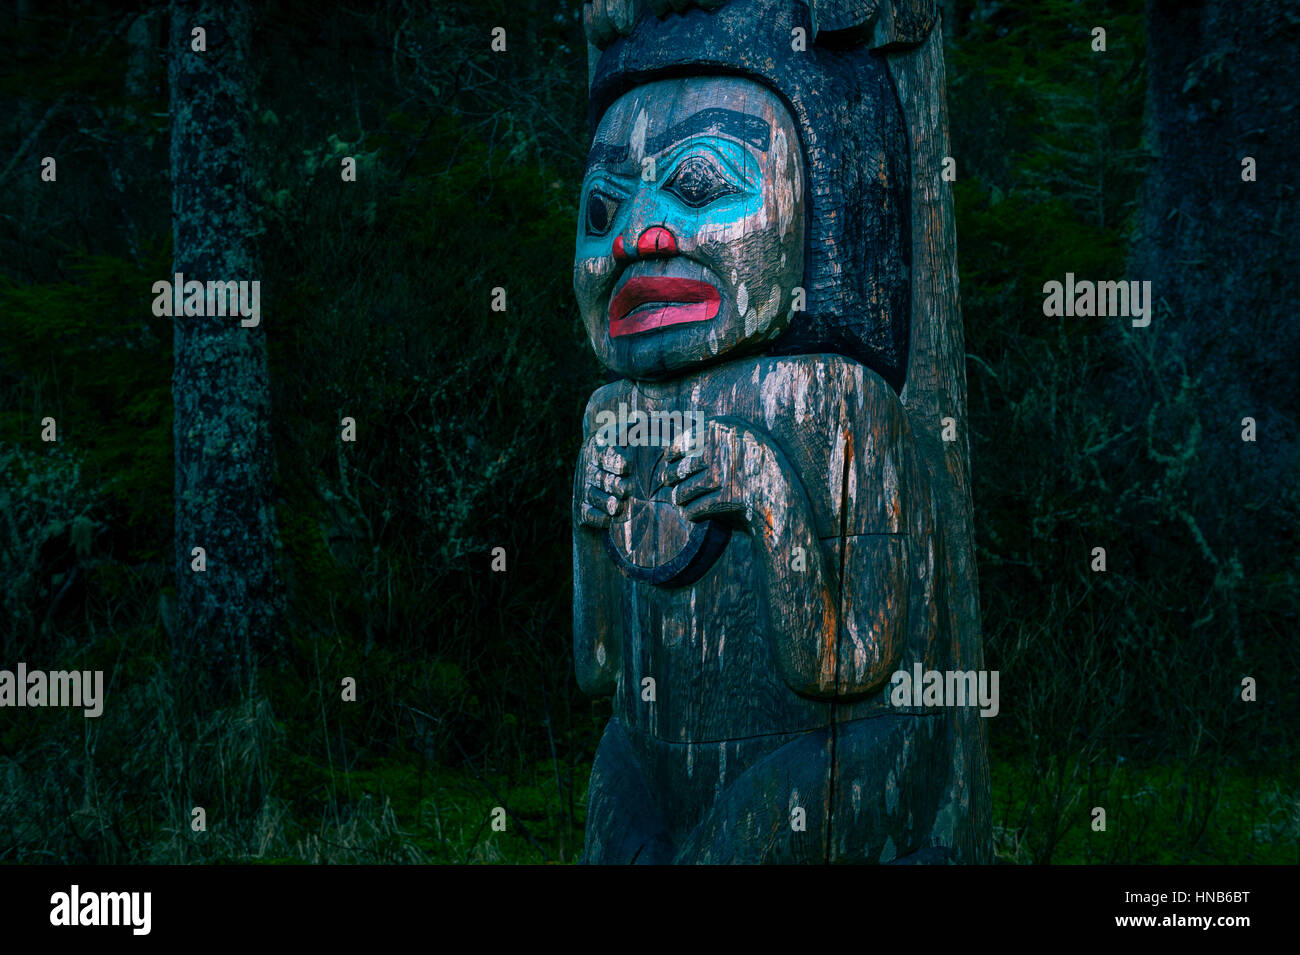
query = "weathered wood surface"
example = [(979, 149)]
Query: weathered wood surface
[(886, 23), (936, 389), (765, 646), (747, 582)]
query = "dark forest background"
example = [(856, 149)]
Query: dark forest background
[(1120, 689)]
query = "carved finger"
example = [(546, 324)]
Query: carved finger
[(595, 19), (688, 442), (612, 460), (693, 487), (594, 517), (607, 482), (681, 470), (624, 15), (606, 502), (613, 14), (711, 505)]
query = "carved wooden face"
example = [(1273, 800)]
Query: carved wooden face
[(691, 227)]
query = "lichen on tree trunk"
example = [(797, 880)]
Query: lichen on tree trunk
[(227, 615)]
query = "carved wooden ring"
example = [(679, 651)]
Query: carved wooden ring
[(707, 540)]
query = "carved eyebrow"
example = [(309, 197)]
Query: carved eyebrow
[(753, 130)]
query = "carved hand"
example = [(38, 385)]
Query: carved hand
[(736, 471), (726, 471), (605, 486)]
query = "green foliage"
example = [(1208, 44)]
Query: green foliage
[(467, 418), (49, 519), (85, 352), (1038, 113), (1086, 434), (1196, 812)]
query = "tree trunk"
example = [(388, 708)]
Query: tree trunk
[(226, 615), (1218, 250)]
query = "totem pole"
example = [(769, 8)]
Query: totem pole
[(768, 522)]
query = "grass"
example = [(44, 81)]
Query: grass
[(122, 789), (1155, 813)]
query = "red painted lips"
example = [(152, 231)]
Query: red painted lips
[(647, 303)]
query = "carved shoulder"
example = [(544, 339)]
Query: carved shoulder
[(606, 396), (849, 432)]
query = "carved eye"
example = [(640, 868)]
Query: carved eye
[(697, 182), (601, 209)]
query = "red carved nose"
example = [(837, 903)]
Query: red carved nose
[(656, 240)]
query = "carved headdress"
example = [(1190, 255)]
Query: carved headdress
[(818, 58)]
